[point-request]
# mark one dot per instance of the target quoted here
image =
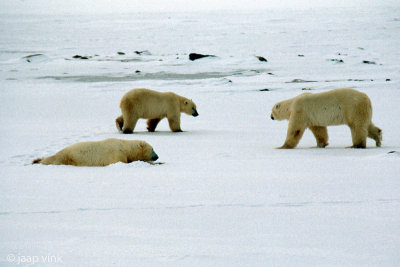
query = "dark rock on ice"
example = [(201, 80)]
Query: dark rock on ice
[(80, 57), (369, 62), (144, 52), (336, 60), (358, 80), (300, 81), (262, 59), (195, 56)]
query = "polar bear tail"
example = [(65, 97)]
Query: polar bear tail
[(37, 161), (375, 133), (119, 122)]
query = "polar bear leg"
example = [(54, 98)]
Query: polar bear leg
[(119, 122), (59, 159), (152, 124), (375, 133), (294, 133), (130, 121), (359, 136), (175, 123), (321, 135)]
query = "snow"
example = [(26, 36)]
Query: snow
[(225, 196)]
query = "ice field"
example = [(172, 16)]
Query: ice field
[(225, 196)]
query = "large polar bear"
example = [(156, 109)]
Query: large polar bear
[(335, 107), (101, 153), (154, 106)]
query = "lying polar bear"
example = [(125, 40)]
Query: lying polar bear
[(101, 153), (335, 107)]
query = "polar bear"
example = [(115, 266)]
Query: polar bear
[(101, 153), (154, 106), (319, 110)]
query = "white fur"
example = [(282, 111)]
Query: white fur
[(335, 107), (100, 153)]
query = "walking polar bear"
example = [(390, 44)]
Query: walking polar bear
[(101, 153), (335, 107), (154, 106)]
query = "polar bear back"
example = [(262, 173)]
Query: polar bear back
[(335, 107), (101, 153), (97, 153), (149, 104)]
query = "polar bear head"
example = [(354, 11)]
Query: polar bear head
[(282, 110), (189, 107), (140, 150)]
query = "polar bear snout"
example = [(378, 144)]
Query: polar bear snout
[(194, 112), (154, 156), (272, 117)]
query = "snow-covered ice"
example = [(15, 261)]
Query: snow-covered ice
[(225, 196)]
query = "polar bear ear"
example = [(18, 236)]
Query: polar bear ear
[(140, 145), (277, 106)]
